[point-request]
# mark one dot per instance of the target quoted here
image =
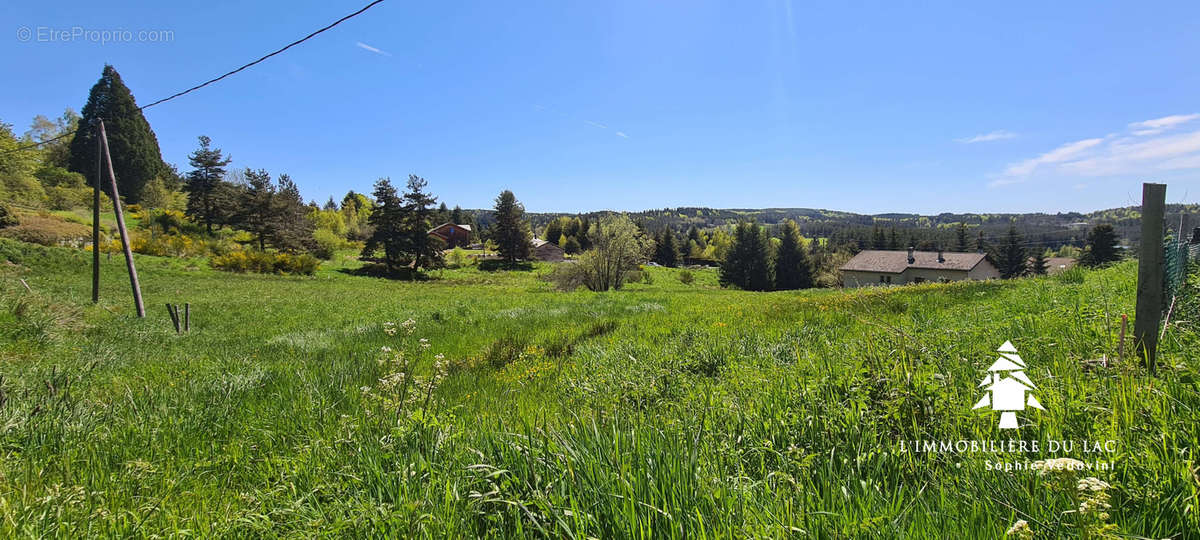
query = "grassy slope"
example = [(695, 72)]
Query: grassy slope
[(663, 410)]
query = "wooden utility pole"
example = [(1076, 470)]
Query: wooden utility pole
[(96, 222), (1150, 273), (116, 199)]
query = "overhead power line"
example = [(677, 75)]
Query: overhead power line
[(215, 79)]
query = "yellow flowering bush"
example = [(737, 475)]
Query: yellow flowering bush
[(266, 262)]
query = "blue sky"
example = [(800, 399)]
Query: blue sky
[(878, 107)]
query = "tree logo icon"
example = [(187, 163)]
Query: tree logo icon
[(1008, 388)]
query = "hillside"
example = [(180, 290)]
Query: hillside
[(1051, 230), (507, 409)]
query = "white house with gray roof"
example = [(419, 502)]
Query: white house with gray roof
[(879, 267)]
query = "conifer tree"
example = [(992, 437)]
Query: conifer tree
[(1012, 260), (291, 229), (136, 158), (511, 231), (666, 249), (1101, 246), (748, 264), (793, 268), (418, 217), (256, 213), (207, 197), (878, 239), (1039, 266), (387, 221), (584, 235), (963, 244), (694, 235)]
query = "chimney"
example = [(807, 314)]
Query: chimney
[(941, 257), (911, 259)]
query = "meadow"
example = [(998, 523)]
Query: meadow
[(488, 404)]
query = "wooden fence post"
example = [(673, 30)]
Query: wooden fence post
[(116, 199), (96, 223), (1150, 273)]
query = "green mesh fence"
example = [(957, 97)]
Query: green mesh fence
[(1175, 266)]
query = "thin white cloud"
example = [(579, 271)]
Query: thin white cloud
[(1017, 171), (1143, 149), (1159, 125), (596, 124), (375, 50), (620, 134), (997, 135)]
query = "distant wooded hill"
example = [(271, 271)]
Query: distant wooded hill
[(1050, 230)]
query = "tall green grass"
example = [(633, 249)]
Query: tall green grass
[(666, 410)]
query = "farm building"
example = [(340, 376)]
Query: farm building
[(545, 251), (877, 267), (453, 234)]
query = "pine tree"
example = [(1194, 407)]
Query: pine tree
[(207, 202), (291, 229), (256, 212), (418, 217), (585, 241), (511, 231), (694, 235), (878, 239), (1101, 247), (136, 158), (1012, 256), (1039, 266), (456, 216), (666, 249), (747, 264), (980, 244), (793, 269), (387, 221), (894, 240), (963, 244), (330, 204)]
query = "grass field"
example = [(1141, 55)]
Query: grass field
[(507, 409)]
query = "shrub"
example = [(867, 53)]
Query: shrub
[(168, 245), (7, 218), (265, 262), (328, 243), (457, 258), (47, 230), (66, 198), (686, 277)]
